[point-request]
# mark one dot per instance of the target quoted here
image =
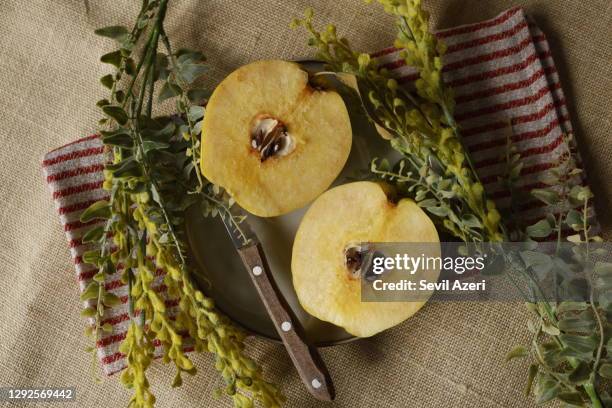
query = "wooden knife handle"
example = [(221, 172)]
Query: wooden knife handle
[(306, 358)]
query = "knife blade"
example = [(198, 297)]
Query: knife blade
[(305, 356)]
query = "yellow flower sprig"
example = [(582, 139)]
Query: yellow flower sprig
[(420, 49), (436, 168), (207, 328), (139, 350)]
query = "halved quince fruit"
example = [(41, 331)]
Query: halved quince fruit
[(271, 140), (323, 260)]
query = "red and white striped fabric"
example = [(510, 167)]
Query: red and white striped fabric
[(504, 79)]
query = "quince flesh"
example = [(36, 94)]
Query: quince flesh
[(350, 214), (271, 140)]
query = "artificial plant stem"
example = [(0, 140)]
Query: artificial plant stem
[(592, 393), (138, 68), (151, 42), (151, 85), (149, 76), (151, 49)]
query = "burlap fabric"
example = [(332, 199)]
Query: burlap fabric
[(448, 355)]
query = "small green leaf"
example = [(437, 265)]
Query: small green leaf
[(532, 307), (88, 312), (571, 307), (119, 139), (550, 178), (118, 33), (130, 66), (580, 193), (164, 238), (197, 129), (126, 168), (120, 96), (549, 197), (111, 300), (113, 58), (191, 72), (382, 164), (429, 202), (178, 381), (109, 267), (517, 352), (143, 21), (574, 172), (605, 370), (581, 344), (168, 90), (605, 302), (603, 284), (536, 259), (98, 210), (93, 234), (149, 145), (117, 113), (420, 195), (574, 220), (540, 229), (547, 389), (439, 211), (550, 329), (515, 171), (195, 113), (107, 327), (533, 370), (102, 102), (568, 353), (580, 374), (107, 81), (184, 55), (471, 221), (90, 292), (550, 353), (571, 398), (603, 269), (91, 257), (198, 96), (99, 277), (575, 324)]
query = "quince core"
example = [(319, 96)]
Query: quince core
[(325, 258), (271, 140)]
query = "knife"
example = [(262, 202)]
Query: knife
[(305, 357)]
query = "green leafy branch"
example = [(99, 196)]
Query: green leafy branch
[(155, 167), (571, 339)]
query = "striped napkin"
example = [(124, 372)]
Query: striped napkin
[(506, 85)]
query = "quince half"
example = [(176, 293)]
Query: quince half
[(323, 259), (271, 140)]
